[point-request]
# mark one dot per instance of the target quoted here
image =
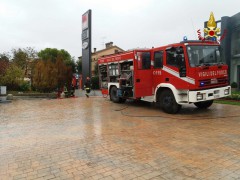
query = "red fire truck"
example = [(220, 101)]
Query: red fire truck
[(172, 75)]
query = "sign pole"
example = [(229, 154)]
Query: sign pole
[(86, 44)]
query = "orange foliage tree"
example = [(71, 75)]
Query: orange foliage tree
[(51, 75)]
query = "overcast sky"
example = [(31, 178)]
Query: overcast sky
[(127, 23)]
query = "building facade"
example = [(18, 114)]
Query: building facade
[(230, 43)]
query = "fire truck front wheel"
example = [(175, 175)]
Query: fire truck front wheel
[(204, 104), (168, 103), (114, 97)]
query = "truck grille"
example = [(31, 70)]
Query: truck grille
[(213, 81)]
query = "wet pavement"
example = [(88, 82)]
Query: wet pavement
[(80, 138)]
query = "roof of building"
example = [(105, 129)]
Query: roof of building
[(102, 50)]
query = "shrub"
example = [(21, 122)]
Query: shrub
[(25, 86), (13, 77), (234, 85), (233, 97)]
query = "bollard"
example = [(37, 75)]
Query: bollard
[(62, 95), (9, 97)]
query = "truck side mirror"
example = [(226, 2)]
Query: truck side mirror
[(181, 66), (182, 71), (179, 50), (179, 60)]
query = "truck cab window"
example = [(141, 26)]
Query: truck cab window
[(175, 58), (204, 55), (158, 59), (171, 57), (144, 60)]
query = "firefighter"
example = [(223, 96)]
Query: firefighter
[(65, 90), (72, 90), (87, 87)]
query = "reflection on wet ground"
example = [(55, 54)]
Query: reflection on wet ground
[(93, 138)]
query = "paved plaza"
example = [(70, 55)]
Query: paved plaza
[(93, 138)]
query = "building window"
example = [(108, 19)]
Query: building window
[(158, 59)]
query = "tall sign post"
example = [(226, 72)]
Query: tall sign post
[(86, 44)]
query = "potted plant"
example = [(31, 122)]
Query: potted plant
[(234, 86)]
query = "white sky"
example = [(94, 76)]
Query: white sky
[(127, 23)]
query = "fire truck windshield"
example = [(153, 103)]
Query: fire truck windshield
[(204, 55)]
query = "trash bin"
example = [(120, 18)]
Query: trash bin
[(3, 90), (3, 93)]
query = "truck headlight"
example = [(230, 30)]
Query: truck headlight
[(199, 96), (226, 91)]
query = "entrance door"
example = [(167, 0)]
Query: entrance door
[(238, 76), (142, 74)]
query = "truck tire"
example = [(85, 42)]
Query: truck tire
[(168, 103), (114, 97), (204, 104), (122, 100)]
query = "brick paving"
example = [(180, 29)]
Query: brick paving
[(93, 138)]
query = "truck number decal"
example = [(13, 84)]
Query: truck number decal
[(156, 73)]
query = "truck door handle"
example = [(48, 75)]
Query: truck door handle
[(137, 80)]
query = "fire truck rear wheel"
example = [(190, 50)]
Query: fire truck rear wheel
[(122, 100), (168, 103), (204, 104), (114, 97)]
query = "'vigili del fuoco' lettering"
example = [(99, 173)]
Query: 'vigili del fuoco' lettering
[(212, 73)]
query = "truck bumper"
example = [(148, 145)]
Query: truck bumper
[(209, 94)]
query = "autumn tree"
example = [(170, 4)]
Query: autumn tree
[(53, 53), (49, 76), (50, 71), (38, 75), (62, 69), (24, 58), (5, 57), (14, 66), (21, 57), (13, 77), (4, 63), (63, 61)]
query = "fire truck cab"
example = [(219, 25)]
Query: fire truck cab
[(172, 75)]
